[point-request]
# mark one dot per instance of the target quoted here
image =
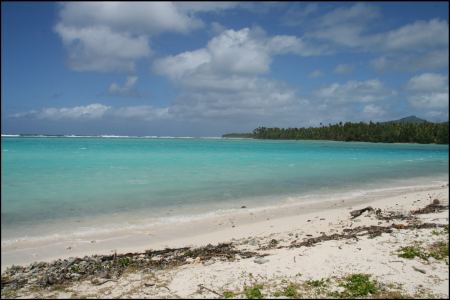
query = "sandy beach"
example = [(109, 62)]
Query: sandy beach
[(269, 257)]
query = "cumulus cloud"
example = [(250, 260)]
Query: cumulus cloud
[(101, 49), (111, 36), (430, 100), (428, 82), (138, 17), (128, 89), (343, 69), (428, 91), (422, 45), (246, 51), (91, 111), (354, 91), (223, 78), (418, 35)]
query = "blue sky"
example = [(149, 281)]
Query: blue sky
[(204, 69)]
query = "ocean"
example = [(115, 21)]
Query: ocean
[(52, 185)]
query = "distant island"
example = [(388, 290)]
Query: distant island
[(406, 130)]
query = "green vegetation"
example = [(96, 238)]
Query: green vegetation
[(253, 292), (388, 132), (411, 252), (228, 294), (75, 269), (289, 291), (124, 261), (316, 283), (438, 250), (358, 285)]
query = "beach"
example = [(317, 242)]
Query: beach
[(270, 255)]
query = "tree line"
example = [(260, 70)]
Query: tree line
[(424, 133)]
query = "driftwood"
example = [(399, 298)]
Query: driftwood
[(357, 212), (430, 208)]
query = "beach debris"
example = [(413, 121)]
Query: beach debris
[(434, 207), (100, 281), (273, 242), (202, 287), (357, 212), (354, 233), (112, 266), (260, 260), (419, 270)]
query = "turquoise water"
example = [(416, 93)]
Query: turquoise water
[(48, 179)]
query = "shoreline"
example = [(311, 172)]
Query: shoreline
[(313, 254), (212, 228)]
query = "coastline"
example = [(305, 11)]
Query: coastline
[(204, 229), (310, 253)]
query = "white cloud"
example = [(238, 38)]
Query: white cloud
[(100, 49), (126, 90), (354, 91), (315, 74), (413, 62), (345, 26), (97, 111), (249, 97), (222, 79), (428, 91), (415, 36), (91, 111), (358, 13), (343, 69), (246, 51), (420, 45), (430, 100), (111, 36), (372, 110), (139, 17), (428, 82)]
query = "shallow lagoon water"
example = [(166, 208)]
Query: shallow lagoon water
[(50, 180)]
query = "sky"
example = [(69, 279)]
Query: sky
[(208, 68)]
